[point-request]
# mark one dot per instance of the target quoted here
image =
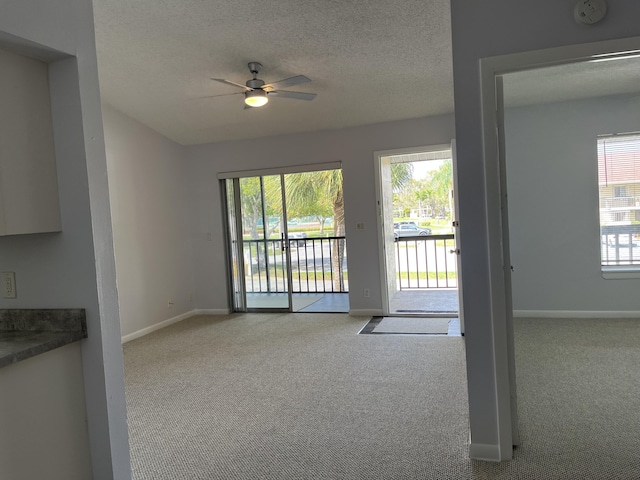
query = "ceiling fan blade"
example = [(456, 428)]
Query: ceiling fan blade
[(287, 82), (228, 82), (294, 95), (220, 95)]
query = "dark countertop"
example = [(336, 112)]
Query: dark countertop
[(25, 333)]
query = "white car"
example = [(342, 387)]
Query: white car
[(410, 230)]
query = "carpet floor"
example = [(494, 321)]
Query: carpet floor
[(302, 396)]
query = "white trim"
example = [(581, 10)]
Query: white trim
[(312, 167), (212, 311), (575, 314), (157, 326), (485, 451), (363, 312), (618, 273)]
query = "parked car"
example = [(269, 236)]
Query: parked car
[(298, 238), (410, 230), (404, 222)]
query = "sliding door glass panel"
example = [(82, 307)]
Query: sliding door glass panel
[(264, 243)]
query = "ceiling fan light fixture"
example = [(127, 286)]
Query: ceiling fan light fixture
[(256, 98)]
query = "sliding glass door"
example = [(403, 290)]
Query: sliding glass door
[(271, 268), (259, 243)]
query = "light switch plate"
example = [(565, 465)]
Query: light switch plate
[(9, 285)]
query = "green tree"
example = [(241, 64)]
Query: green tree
[(441, 184), (401, 175), (319, 189)]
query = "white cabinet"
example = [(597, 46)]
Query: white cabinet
[(28, 180)]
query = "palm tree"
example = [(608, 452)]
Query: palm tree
[(314, 188)]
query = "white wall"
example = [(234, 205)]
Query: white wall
[(553, 206), (73, 268), (150, 214), (354, 147), (480, 30), (42, 405)]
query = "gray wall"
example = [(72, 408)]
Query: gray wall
[(354, 147), (150, 215), (481, 30), (552, 176), (73, 268)]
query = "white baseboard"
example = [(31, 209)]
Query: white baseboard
[(171, 321), (484, 451), (363, 312), (157, 326), (212, 311), (575, 314)]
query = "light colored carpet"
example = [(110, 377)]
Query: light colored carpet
[(294, 396), (302, 396), (413, 325)]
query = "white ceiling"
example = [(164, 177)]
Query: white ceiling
[(369, 62)]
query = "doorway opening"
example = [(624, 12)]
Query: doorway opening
[(286, 241), (546, 92), (417, 211)]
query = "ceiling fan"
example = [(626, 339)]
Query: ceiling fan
[(256, 92)]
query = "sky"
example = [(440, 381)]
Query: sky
[(421, 169)]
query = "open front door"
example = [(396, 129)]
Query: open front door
[(456, 232)]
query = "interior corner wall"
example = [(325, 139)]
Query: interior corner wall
[(354, 147), (150, 217), (481, 30), (75, 267), (552, 175)]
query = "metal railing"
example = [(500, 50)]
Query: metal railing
[(312, 265), (426, 262), (620, 249), (421, 262)]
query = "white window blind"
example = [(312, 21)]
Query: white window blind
[(619, 193)]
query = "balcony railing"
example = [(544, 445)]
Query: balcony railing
[(421, 263), (312, 266), (426, 262), (620, 249)]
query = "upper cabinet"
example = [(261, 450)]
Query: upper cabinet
[(28, 180)]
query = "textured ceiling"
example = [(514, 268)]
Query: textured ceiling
[(573, 81), (369, 62)]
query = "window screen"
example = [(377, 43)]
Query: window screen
[(619, 190)]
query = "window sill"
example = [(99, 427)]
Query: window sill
[(620, 272)]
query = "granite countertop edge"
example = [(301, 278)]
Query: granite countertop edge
[(25, 333)]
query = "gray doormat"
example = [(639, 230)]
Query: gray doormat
[(407, 325)]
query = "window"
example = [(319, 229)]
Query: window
[(619, 192)]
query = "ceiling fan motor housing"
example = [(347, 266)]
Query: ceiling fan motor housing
[(255, 83)]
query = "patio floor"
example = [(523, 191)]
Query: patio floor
[(404, 302)]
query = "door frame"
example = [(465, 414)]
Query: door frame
[(384, 232), (491, 71)]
